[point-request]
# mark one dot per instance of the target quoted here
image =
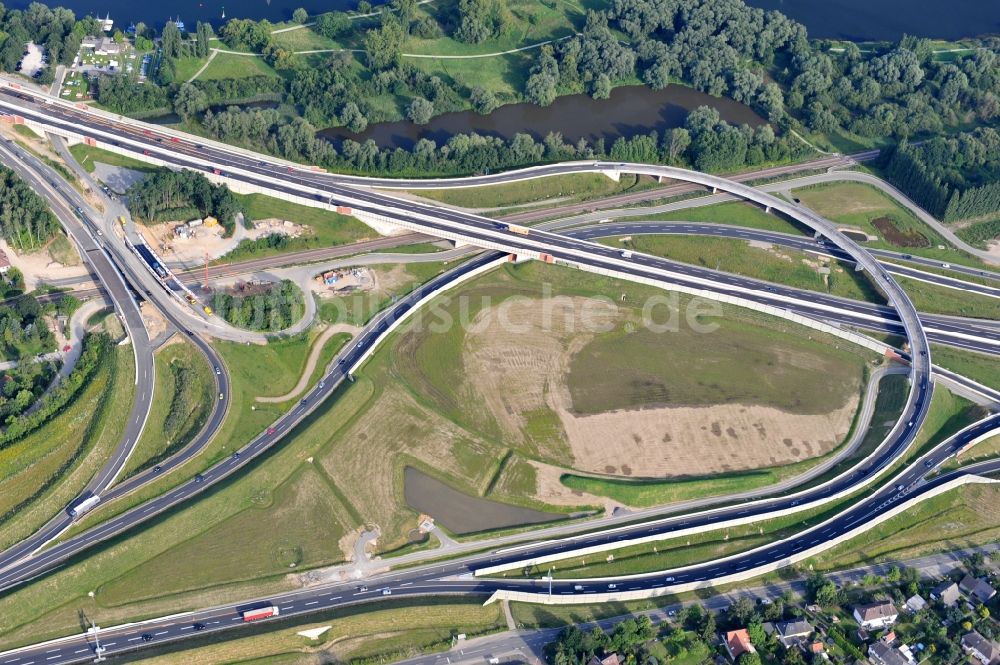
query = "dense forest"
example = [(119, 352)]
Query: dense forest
[(723, 47), (261, 307), (25, 219), (181, 195), (954, 177)]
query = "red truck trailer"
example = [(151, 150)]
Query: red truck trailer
[(260, 613)]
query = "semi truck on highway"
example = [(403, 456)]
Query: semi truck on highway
[(514, 228), (260, 613), (82, 505)]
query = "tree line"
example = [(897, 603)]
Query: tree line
[(178, 195), (951, 177), (705, 142), (25, 219), (95, 351)]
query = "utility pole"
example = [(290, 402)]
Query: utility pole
[(206, 272)]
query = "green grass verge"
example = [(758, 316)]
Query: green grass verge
[(736, 213), (979, 367), (572, 187), (231, 66), (772, 263), (86, 155), (325, 228), (183, 397), (859, 205), (378, 632)]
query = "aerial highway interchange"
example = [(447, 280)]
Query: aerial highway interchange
[(886, 486)]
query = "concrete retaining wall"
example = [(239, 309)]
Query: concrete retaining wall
[(725, 524), (750, 573)]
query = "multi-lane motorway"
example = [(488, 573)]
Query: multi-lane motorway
[(277, 176), (113, 273), (457, 577)]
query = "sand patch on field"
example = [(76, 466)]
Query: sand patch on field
[(519, 371), (516, 361), (679, 441), (39, 267)]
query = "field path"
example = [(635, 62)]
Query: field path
[(211, 57), (307, 372)]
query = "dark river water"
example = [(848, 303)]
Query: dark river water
[(630, 110), (853, 19)]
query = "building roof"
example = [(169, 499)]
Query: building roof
[(796, 628), (915, 603), (738, 642), (607, 660), (817, 647), (947, 592), (4, 261), (977, 587), (880, 652), (988, 649), (876, 611)]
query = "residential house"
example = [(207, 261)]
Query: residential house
[(4, 263), (793, 633), (985, 651), (607, 660), (977, 589), (915, 603), (946, 593), (881, 653), (738, 643), (875, 616)]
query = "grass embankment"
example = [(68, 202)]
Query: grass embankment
[(979, 367), (733, 213), (232, 66), (888, 405), (206, 552), (325, 228), (41, 473), (935, 299), (617, 370), (869, 210), (673, 553), (771, 263), (963, 517), (381, 632), (563, 189), (87, 155), (183, 398)]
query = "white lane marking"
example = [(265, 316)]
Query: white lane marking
[(313, 602)]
